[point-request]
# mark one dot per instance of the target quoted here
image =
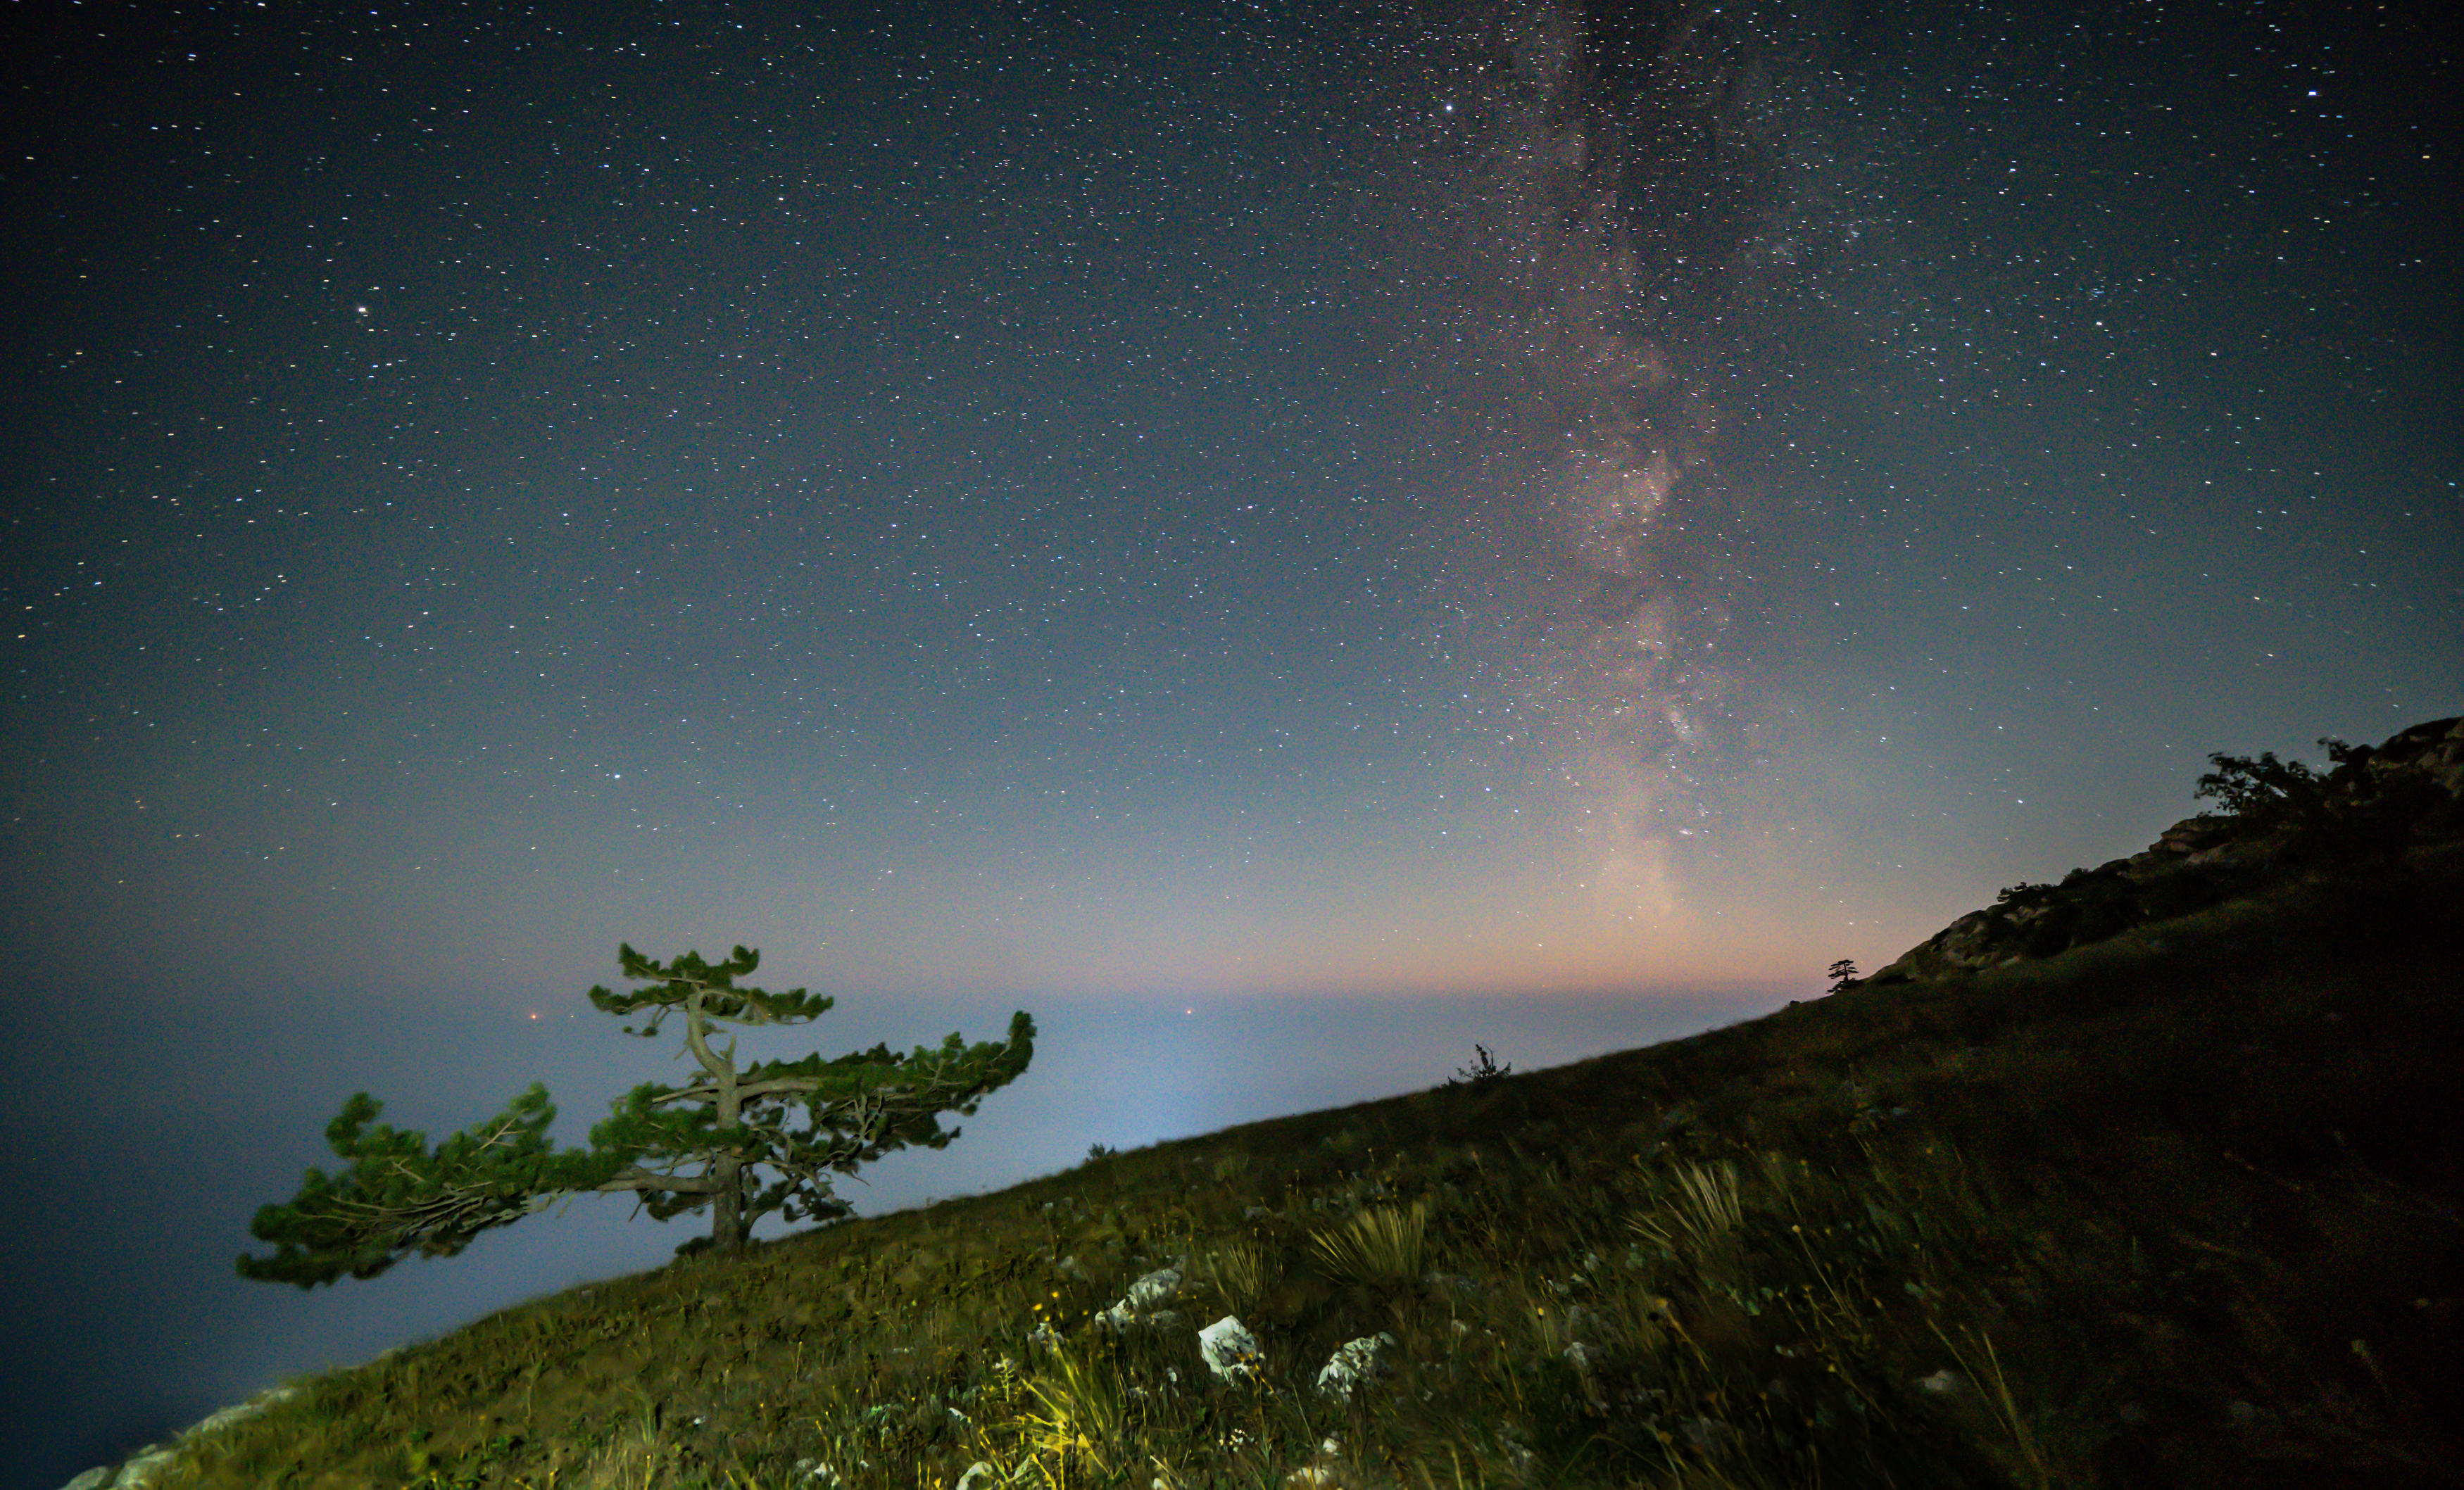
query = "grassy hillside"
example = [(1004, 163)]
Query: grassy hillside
[(2181, 1207)]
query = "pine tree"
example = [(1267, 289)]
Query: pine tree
[(400, 1197)]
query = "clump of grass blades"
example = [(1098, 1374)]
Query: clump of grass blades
[(1084, 1422), (1702, 1215), (1243, 1273), (1381, 1246)]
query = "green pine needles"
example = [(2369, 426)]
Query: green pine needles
[(680, 1149)]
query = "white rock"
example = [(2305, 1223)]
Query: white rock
[(1138, 1304), (1356, 1362), (1231, 1353)]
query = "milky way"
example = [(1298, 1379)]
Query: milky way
[(1610, 209)]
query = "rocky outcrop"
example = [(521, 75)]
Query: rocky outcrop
[(2388, 803), (2435, 749), (149, 1464)]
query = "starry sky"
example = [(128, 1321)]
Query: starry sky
[(1282, 539)]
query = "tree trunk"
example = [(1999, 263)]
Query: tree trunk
[(730, 1227), (727, 1231)]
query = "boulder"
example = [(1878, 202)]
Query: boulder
[(2191, 835), (2435, 749)]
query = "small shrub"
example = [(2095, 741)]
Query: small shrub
[(1482, 1073)]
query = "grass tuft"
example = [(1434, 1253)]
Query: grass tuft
[(1381, 1247)]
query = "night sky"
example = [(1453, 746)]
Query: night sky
[(1283, 539)]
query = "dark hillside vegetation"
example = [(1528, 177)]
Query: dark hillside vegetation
[(2179, 1207)]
